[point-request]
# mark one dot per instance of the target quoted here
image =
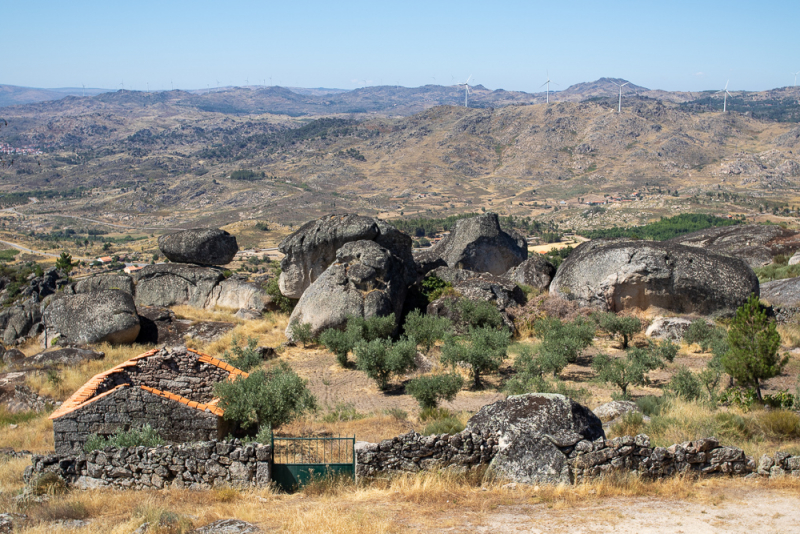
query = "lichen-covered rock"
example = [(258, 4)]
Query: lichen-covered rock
[(102, 282), (228, 526), (614, 409), (500, 290), (535, 272), (782, 293), (620, 274), (171, 284), (19, 321), (204, 246), (672, 328), (94, 317), (533, 430), (756, 244), (65, 356), (311, 249), (476, 244), (366, 280), (235, 294)]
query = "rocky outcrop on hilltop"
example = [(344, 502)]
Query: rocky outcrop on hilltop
[(476, 244), (614, 275), (203, 246), (312, 248), (366, 280), (756, 244), (94, 318)]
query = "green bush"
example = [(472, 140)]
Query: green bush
[(426, 329), (705, 335), (244, 358), (339, 343), (145, 436), (651, 405), (301, 332), (285, 304), (624, 327), (630, 370), (372, 328), (781, 399), (686, 385), (483, 349), (429, 391), (269, 398), (380, 359), (479, 313), (64, 263), (440, 421), (665, 350), (433, 287), (562, 343), (342, 412), (753, 342), (743, 398)]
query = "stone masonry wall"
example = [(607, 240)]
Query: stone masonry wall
[(132, 407), (195, 466)]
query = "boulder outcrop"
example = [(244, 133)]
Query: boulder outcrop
[(782, 293), (170, 284), (94, 317), (620, 274), (20, 320), (477, 244), (532, 430), (500, 290), (236, 294), (312, 248), (102, 282), (65, 356), (204, 246), (756, 244), (672, 328), (366, 280), (615, 409), (535, 272)]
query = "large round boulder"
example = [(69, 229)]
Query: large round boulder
[(102, 282), (312, 248), (171, 284), (366, 280), (536, 432), (94, 317), (204, 246), (619, 274), (535, 272), (476, 244), (235, 294)]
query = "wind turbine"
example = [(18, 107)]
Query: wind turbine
[(619, 108), (795, 77), (547, 83), (466, 91), (725, 100)]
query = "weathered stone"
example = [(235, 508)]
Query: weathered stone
[(171, 284), (227, 526), (671, 328), (13, 357), (65, 356), (535, 272), (204, 246), (500, 290), (756, 244), (476, 244), (312, 249), (782, 293), (235, 294), (104, 282), (611, 410), (620, 274), (108, 316), (18, 321)]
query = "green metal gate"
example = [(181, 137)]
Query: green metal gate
[(296, 461)]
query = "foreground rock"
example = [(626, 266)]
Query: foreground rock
[(533, 431), (476, 244), (94, 318), (756, 244), (311, 249), (64, 356), (615, 275), (204, 246), (102, 282), (614, 410), (535, 272), (228, 526), (782, 293), (366, 280), (672, 328), (172, 284)]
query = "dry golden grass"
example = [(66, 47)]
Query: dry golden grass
[(35, 435), (268, 331)]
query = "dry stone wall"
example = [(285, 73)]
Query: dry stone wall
[(194, 466), (133, 407)]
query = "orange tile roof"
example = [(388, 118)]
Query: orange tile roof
[(86, 393), (183, 400)]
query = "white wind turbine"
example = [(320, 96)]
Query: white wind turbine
[(619, 107), (547, 83), (795, 77), (725, 100), (466, 91)]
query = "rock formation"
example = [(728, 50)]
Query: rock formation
[(94, 317), (311, 249), (756, 244), (102, 282), (366, 280), (535, 272), (170, 284), (619, 274), (782, 293), (204, 246), (476, 244), (672, 328)]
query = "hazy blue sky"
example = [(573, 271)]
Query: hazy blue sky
[(676, 45)]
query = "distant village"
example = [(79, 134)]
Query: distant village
[(5, 148)]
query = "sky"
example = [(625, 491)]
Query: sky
[(677, 45)]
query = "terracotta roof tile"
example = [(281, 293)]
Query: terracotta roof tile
[(211, 407)]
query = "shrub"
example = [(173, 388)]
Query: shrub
[(780, 424), (630, 425), (145, 436), (244, 358), (629, 370), (625, 327), (380, 358), (440, 421), (434, 287), (562, 343), (686, 385), (301, 332), (782, 399), (743, 398), (339, 343), (479, 313), (429, 391), (754, 342), (342, 412), (704, 335), (426, 329), (269, 398), (665, 350), (285, 304), (64, 263), (651, 405), (372, 328), (483, 349)]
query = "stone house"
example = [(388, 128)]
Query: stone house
[(169, 389)]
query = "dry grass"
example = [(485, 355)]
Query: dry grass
[(35, 435), (269, 332)]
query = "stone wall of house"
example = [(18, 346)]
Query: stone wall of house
[(175, 370), (195, 466), (414, 452), (132, 407)]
